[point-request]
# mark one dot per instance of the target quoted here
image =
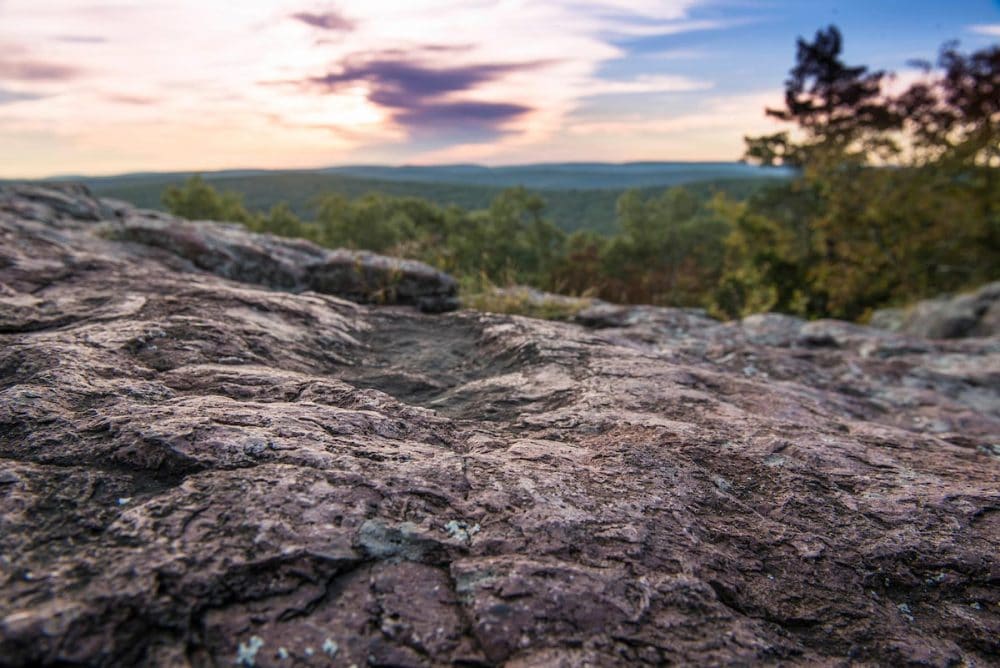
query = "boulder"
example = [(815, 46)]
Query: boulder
[(205, 464), (951, 317), (233, 252)]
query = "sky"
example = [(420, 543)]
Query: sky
[(113, 86)]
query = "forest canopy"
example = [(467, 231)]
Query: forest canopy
[(897, 198)]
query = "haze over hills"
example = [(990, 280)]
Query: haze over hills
[(578, 195), (568, 176)]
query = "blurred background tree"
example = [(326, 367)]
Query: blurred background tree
[(197, 200), (897, 196)]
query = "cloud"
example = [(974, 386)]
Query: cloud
[(432, 75), (81, 39), (396, 81), (479, 119), (36, 70), (328, 20), (422, 97), (647, 84), (124, 98), (680, 54), (736, 113), (992, 30), (665, 29), (11, 96), (714, 131)]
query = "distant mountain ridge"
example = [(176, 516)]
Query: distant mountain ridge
[(538, 176), (567, 176), (578, 195)]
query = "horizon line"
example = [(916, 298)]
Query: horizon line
[(359, 165)]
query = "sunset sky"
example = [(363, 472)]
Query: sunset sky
[(100, 87)]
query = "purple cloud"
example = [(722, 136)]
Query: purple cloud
[(424, 49), (395, 82), (468, 115), (421, 96), (34, 70), (326, 21)]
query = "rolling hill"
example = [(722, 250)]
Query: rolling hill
[(578, 195)]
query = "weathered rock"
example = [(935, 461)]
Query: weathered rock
[(230, 251), (974, 314), (203, 472)]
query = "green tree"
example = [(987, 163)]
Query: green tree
[(511, 242), (897, 196), (668, 251), (373, 222), (580, 269), (197, 200), (281, 221)]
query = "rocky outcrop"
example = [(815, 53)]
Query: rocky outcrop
[(230, 251), (974, 314), (206, 471)]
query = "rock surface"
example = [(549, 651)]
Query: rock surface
[(199, 471), (974, 314), (230, 251)]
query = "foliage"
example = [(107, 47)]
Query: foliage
[(669, 250), (897, 197), (372, 222), (281, 221), (588, 208), (199, 201)]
